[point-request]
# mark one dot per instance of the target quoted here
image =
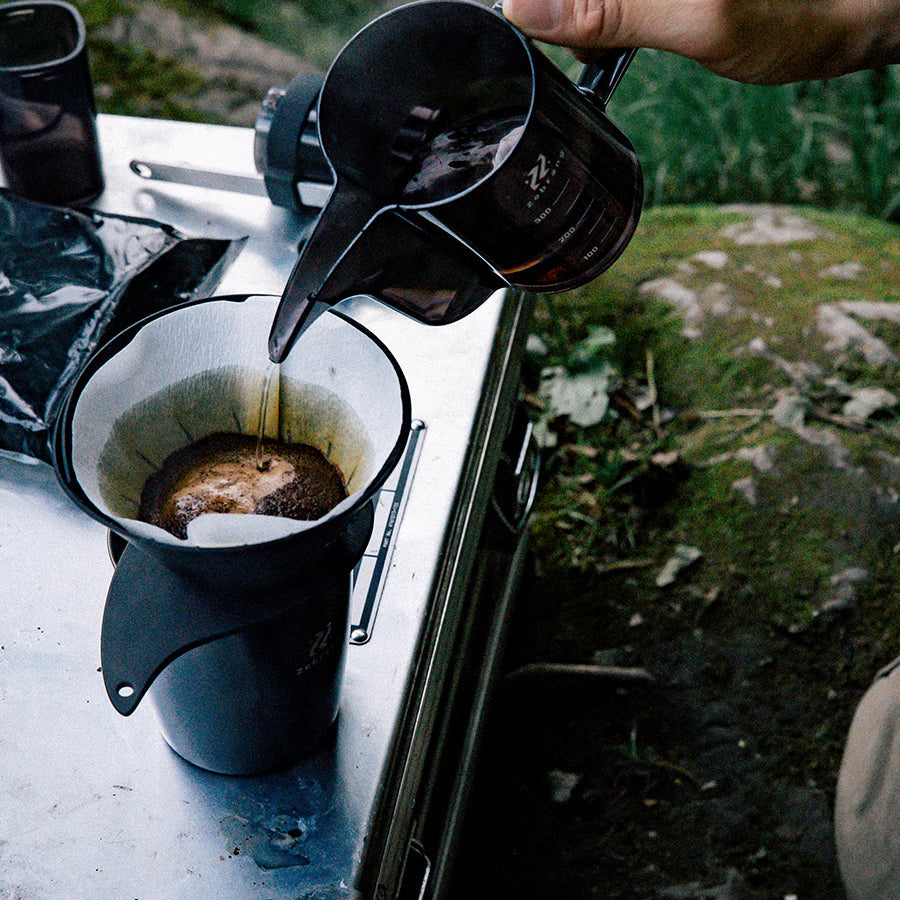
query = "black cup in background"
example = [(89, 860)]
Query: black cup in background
[(48, 137)]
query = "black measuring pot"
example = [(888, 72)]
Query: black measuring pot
[(464, 162)]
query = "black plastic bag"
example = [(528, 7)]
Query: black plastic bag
[(69, 280)]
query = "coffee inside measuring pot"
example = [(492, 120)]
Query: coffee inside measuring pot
[(459, 157)]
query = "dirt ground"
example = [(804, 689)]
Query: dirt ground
[(694, 787)]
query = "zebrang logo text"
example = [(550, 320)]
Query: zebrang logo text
[(540, 171)]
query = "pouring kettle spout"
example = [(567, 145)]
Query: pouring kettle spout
[(286, 330), (305, 297)]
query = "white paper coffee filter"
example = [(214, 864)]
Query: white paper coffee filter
[(203, 369)]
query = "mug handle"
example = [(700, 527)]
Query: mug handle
[(599, 79)]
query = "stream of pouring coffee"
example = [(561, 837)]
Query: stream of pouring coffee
[(268, 414)]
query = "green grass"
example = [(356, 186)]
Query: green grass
[(701, 138)]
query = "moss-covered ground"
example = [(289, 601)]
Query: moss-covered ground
[(761, 647)]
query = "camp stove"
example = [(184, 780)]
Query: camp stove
[(97, 805)]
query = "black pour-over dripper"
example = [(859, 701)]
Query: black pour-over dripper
[(464, 162), (144, 590), (177, 610)]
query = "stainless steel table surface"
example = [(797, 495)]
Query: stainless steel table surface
[(93, 805)]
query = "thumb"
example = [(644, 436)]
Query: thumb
[(593, 25)]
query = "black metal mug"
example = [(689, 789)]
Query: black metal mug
[(48, 137), (465, 161)]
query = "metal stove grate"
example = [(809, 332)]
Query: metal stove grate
[(368, 576)]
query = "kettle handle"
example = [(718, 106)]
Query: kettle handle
[(599, 79)]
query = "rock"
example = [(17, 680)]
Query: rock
[(719, 299), (562, 785), (716, 299), (715, 259), (848, 271), (535, 346), (761, 457), (685, 301), (844, 333), (872, 309), (868, 400), (746, 487), (770, 225), (790, 411), (238, 67), (683, 557)]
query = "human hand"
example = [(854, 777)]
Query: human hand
[(756, 41)]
